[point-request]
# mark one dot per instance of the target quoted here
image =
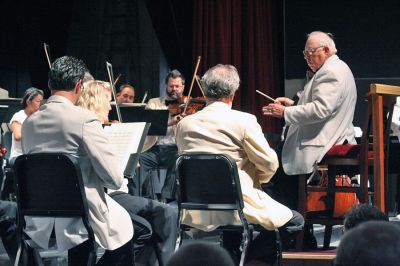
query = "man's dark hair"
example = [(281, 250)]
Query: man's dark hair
[(371, 243), (125, 85), (362, 213), (200, 253), (65, 72), (174, 74)]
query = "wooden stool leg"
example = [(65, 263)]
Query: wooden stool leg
[(302, 206)]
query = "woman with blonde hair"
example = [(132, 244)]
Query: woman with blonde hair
[(96, 96), (149, 216)]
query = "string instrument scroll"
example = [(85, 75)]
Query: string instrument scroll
[(112, 84)]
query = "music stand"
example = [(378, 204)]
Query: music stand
[(13, 105), (157, 118)]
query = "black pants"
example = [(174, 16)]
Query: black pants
[(8, 228), (158, 155), (162, 217), (121, 256), (264, 246)]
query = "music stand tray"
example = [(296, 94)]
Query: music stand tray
[(157, 118)]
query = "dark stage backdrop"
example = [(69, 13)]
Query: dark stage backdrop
[(248, 35)]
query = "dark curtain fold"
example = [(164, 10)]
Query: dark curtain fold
[(247, 35)]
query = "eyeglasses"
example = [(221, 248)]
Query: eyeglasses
[(311, 51)]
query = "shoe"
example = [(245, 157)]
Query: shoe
[(310, 242)]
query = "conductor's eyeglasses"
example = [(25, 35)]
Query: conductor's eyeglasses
[(312, 51)]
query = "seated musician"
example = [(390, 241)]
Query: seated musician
[(219, 129), (31, 103), (126, 94), (61, 127), (163, 225), (163, 151)]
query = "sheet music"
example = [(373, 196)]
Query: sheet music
[(124, 139)]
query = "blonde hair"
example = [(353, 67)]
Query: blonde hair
[(94, 97)]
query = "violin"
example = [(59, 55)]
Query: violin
[(185, 105)]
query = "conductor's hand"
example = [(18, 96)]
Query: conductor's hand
[(274, 109), (284, 101)]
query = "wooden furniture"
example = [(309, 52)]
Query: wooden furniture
[(355, 159), (380, 94)]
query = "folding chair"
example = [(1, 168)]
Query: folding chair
[(50, 185), (210, 182)]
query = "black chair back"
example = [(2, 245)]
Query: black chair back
[(50, 185), (208, 181)]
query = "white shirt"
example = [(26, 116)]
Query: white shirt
[(16, 148)]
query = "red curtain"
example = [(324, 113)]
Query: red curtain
[(246, 34)]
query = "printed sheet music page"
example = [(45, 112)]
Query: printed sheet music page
[(124, 139)]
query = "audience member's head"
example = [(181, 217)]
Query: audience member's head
[(126, 94), (200, 253), (362, 213), (220, 82), (66, 73), (96, 97), (371, 243)]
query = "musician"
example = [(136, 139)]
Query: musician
[(163, 218), (61, 127), (31, 103), (126, 94), (322, 117), (163, 151), (219, 129)]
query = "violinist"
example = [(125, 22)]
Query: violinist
[(126, 94), (31, 103), (219, 129), (163, 151)]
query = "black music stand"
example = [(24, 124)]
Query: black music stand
[(14, 105), (157, 118)]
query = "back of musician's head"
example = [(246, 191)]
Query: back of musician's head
[(371, 243), (362, 213), (173, 74), (220, 81), (200, 253), (65, 72), (95, 96)]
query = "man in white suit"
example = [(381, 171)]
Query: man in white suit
[(322, 117), (219, 129), (61, 127)]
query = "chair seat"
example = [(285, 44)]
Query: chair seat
[(346, 151)]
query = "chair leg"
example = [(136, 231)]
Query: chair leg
[(279, 251), (302, 194), (244, 246), (327, 236)]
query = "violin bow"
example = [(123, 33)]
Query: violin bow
[(200, 87), (112, 84), (192, 83), (47, 52)]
